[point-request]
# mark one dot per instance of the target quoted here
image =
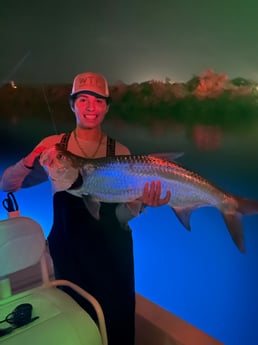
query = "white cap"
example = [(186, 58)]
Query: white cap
[(90, 82)]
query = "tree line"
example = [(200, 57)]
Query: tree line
[(210, 98)]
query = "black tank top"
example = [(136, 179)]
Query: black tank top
[(97, 256), (110, 150)]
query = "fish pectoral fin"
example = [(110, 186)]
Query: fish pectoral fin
[(92, 205), (183, 215), (135, 207), (234, 225)]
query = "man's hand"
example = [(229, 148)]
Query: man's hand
[(151, 197), (152, 193), (29, 160)]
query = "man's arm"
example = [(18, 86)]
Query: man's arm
[(25, 173)]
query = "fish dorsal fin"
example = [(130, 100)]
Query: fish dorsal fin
[(92, 205), (183, 215), (169, 156)]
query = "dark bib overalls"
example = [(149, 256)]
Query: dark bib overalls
[(97, 256)]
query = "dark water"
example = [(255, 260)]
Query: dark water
[(199, 275)]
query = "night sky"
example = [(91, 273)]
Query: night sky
[(136, 40)]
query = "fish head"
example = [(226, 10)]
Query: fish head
[(59, 166), (54, 157)]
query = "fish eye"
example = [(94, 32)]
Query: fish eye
[(60, 156)]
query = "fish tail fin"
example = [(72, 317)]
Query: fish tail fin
[(247, 206), (234, 224), (244, 206)]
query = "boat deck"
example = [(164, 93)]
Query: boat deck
[(154, 325)]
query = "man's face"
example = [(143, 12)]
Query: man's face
[(90, 110)]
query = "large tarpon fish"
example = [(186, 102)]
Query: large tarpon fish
[(121, 179)]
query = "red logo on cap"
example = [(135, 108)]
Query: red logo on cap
[(93, 81)]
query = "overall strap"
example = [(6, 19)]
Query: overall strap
[(111, 144), (111, 147), (65, 139)]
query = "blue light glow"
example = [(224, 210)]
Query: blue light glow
[(200, 275)]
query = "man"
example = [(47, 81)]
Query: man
[(96, 255)]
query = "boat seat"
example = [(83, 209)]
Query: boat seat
[(55, 317)]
